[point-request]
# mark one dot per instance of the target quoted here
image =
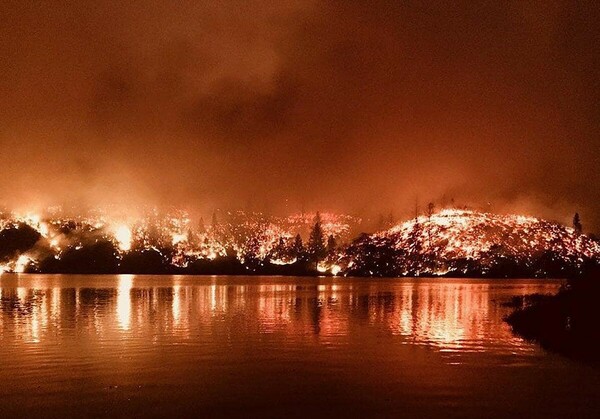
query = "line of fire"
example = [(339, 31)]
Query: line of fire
[(455, 242)]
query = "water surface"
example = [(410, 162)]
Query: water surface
[(125, 346)]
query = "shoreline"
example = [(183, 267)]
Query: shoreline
[(565, 323)]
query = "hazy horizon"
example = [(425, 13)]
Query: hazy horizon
[(332, 106)]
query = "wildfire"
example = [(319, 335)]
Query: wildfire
[(452, 241), (455, 240), (454, 233), (124, 237), (340, 226)]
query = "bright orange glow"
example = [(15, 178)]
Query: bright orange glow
[(124, 301), (22, 263), (468, 234), (256, 238), (124, 237)]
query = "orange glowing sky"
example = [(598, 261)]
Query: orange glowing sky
[(350, 106)]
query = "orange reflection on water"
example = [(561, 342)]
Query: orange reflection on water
[(450, 316), (176, 307), (124, 301)]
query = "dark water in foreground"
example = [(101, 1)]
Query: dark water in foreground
[(214, 346)]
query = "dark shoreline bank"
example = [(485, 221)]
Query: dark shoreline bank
[(566, 323)]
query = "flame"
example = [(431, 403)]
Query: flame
[(179, 238), (22, 263), (469, 234), (339, 226), (124, 237), (434, 242), (434, 245), (335, 269)]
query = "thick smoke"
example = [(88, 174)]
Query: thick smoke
[(363, 107)]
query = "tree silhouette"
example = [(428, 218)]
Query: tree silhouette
[(430, 209), (251, 253), (316, 241), (192, 237), (391, 221), (415, 248), (577, 223), (298, 248), (331, 245), (201, 226)]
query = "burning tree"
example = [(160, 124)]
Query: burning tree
[(298, 248), (316, 241)]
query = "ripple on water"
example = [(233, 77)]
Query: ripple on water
[(164, 338)]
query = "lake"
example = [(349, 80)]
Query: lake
[(163, 346)]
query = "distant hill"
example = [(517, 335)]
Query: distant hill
[(458, 242)]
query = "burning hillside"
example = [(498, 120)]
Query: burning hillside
[(452, 242), (462, 242), (161, 242)]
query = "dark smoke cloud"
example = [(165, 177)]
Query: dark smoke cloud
[(345, 105)]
